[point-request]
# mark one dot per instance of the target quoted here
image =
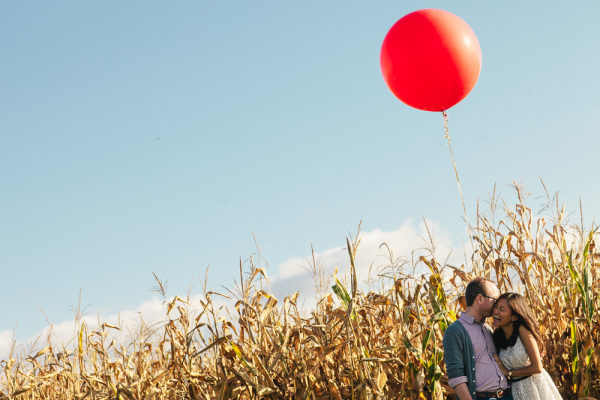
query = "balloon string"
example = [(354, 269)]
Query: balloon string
[(447, 136)]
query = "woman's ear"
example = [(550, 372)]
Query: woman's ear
[(514, 318)]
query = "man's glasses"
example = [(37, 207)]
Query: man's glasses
[(489, 297)]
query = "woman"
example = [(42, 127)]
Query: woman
[(518, 341)]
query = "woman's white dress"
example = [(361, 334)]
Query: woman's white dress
[(536, 387)]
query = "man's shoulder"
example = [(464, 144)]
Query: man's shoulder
[(456, 330), (456, 326)]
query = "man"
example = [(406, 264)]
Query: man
[(469, 348)]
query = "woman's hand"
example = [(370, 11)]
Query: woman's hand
[(501, 365)]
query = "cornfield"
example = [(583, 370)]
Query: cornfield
[(383, 344)]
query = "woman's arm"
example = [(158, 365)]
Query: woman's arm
[(503, 369), (532, 351)]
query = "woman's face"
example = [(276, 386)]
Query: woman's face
[(502, 314)]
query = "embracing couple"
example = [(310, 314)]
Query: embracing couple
[(503, 364)]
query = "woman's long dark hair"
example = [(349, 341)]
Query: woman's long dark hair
[(525, 317)]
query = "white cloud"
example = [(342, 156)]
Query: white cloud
[(150, 314), (6, 338), (408, 241), (402, 242)]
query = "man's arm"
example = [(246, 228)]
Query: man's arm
[(462, 391), (454, 357)]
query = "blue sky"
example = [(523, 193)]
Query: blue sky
[(148, 136)]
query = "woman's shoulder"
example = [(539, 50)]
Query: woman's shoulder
[(523, 331), (526, 337)]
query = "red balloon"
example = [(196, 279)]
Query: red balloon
[(430, 59)]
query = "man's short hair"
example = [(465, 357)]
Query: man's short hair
[(475, 288)]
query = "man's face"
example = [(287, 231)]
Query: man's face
[(489, 299)]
